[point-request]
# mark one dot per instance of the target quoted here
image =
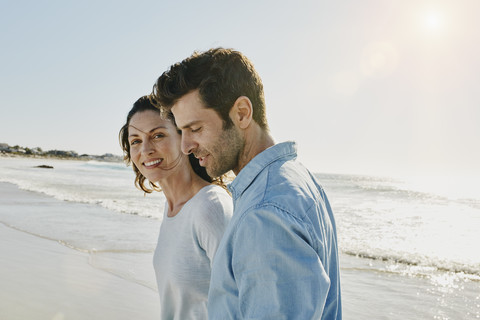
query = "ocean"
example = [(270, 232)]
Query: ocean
[(409, 248)]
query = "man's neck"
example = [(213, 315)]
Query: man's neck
[(256, 141)]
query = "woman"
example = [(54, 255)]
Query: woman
[(196, 213)]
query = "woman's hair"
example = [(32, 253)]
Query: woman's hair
[(144, 104)]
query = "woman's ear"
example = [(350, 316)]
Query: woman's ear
[(242, 112)]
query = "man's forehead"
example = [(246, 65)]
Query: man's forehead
[(190, 109), (186, 117)]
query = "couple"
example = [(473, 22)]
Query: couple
[(273, 254)]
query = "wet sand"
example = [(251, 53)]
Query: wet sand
[(42, 279)]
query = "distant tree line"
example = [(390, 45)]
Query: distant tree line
[(24, 151)]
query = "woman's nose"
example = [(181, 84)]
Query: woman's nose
[(147, 147)]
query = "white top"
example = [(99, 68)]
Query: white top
[(186, 246)]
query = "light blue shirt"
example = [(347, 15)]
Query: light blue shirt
[(278, 258)]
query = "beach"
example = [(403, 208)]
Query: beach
[(69, 251), (44, 279), (372, 294)]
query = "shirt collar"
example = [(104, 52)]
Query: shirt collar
[(246, 176)]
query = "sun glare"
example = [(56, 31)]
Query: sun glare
[(379, 59), (433, 22)]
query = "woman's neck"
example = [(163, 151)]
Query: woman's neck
[(181, 187)]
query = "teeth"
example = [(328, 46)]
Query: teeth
[(151, 163)]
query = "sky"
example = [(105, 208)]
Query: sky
[(383, 87)]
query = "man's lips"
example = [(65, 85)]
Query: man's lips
[(201, 159)]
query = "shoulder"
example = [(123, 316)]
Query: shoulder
[(283, 195), (286, 185), (213, 192), (211, 213), (268, 216), (214, 195), (212, 200)]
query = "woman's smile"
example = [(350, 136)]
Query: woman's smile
[(152, 163)]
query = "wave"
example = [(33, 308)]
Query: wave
[(145, 208), (372, 186), (107, 165), (424, 266), (62, 242)]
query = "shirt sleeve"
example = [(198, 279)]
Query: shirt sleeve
[(213, 215), (279, 274)]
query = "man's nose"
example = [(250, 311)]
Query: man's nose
[(187, 144)]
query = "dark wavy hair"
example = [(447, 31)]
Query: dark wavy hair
[(221, 77), (142, 104)]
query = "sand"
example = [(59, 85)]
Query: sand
[(42, 279)]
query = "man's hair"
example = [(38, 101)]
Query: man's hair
[(221, 76)]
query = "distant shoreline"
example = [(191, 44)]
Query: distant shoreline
[(18, 151), (56, 157)]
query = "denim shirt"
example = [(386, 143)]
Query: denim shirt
[(278, 258)]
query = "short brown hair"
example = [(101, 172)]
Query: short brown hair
[(221, 76)]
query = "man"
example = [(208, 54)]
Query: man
[(278, 258)]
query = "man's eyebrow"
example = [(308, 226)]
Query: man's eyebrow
[(156, 128), (190, 124)]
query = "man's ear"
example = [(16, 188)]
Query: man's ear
[(242, 112)]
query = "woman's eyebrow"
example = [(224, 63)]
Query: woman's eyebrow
[(156, 128)]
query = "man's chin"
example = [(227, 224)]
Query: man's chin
[(209, 172), (212, 172)]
